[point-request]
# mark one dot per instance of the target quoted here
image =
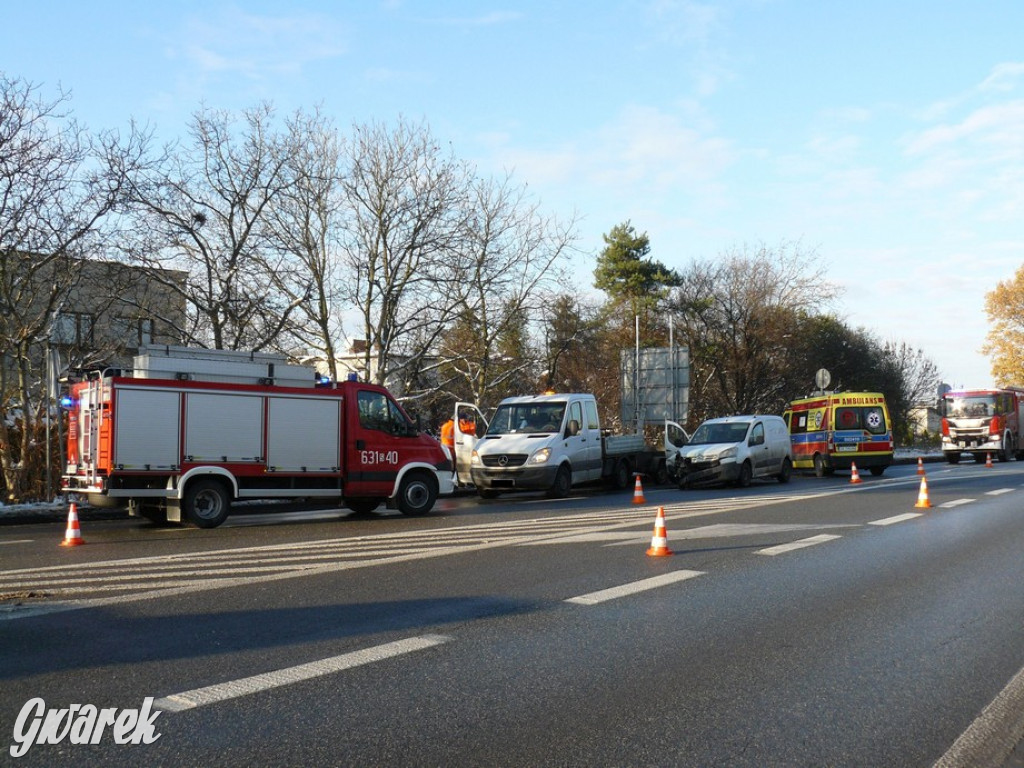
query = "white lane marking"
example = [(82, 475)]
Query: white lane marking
[(593, 598), (955, 503), (351, 553), (783, 548), (17, 541), (990, 739), (999, 492), (896, 519), (212, 694), (701, 532)]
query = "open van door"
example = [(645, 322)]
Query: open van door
[(470, 425), (675, 438)]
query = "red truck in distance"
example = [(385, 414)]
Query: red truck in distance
[(982, 422)]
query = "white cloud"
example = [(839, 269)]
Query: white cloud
[(1004, 77), (485, 20), (998, 128), (643, 151), (232, 41)]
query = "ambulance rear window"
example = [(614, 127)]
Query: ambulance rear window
[(869, 418)]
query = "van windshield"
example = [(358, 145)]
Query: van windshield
[(538, 418), (720, 433)]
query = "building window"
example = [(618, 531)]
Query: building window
[(145, 331), (134, 332), (72, 328)]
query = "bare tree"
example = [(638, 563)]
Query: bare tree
[(307, 225), (738, 316), (908, 378), (510, 267), (57, 185), (204, 210), (406, 200)]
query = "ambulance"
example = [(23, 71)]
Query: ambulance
[(839, 429)]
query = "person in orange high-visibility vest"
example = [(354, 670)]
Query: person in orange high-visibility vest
[(448, 439)]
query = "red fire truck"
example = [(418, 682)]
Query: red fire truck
[(187, 431), (982, 422)]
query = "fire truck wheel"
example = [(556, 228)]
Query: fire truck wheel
[(362, 506), (155, 513), (206, 503), (416, 494)]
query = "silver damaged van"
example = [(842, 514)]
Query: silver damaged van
[(736, 449)]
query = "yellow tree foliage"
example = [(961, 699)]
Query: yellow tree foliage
[(1005, 340)]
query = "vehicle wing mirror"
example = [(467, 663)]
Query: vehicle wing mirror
[(572, 428)]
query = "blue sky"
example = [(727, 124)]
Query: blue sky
[(887, 137)]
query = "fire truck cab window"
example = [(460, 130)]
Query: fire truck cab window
[(378, 412)]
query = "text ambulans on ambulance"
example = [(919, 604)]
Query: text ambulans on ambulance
[(834, 431)]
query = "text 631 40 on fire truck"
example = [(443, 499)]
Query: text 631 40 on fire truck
[(188, 431)]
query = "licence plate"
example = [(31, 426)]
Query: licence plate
[(846, 447)]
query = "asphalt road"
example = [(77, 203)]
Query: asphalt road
[(808, 624)]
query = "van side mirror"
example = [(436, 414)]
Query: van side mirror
[(572, 428)]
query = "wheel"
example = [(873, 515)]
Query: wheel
[(621, 476), (206, 503), (953, 458), (155, 513), (1004, 450), (661, 473), (979, 457), (819, 465), (487, 493), (563, 483), (417, 494), (362, 506), (877, 471), (102, 501), (746, 475), (786, 471)]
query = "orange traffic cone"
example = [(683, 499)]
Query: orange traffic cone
[(638, 492), (659, 541), (920, 466), (922, 496), (854, 476), (988, 460), (73, 535)]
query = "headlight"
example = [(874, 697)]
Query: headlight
[(541, 456), (728, 453), (475, 458)]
